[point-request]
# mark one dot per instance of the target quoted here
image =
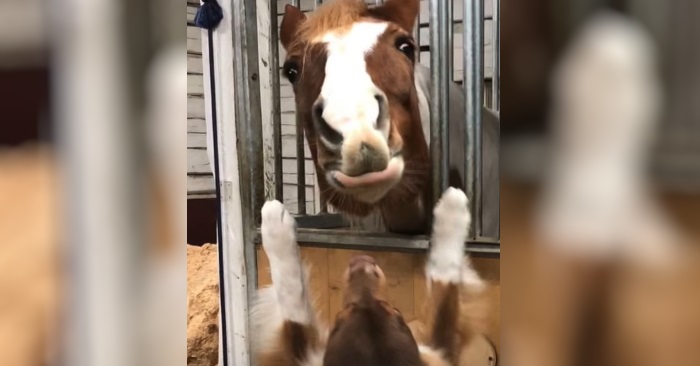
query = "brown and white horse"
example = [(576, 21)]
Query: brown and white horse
[(463, 320), (363, 99)]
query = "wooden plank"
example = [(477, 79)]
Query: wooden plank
[(191, 11), (196, 125), (292, 179), (287, 104), (289, 146), (198, 162), (398, 268), (196, 141), (194, 40), (195, 107), (316, 260), (195, 85), (420, 289), (198, 184), (290, 165), (194, 64)]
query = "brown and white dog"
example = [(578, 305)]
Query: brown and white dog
[(463, 310)]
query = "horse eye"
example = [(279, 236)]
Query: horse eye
[(291, 71), (406, 47)]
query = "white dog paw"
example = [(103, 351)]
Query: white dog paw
[(450, 229), (278, 230)]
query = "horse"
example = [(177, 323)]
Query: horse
[(462, 325), (364, 102)]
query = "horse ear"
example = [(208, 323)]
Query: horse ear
[(401, 12), (291, 20)]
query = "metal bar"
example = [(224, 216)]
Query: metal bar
[(473, 83), (301, 156), (318, 3), (455, 22), (248, 124), (496, 47), (416, 32), (322, 221), (450, 39), (350, 239), (276, 109), (439, 100)]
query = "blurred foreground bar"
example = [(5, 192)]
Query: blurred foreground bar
[(115, 103)]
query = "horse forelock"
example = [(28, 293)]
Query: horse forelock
[(328, 17)]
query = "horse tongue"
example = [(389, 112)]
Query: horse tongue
[(347, 181)]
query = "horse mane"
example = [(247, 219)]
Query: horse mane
[(329, 16)]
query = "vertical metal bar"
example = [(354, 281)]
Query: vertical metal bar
[(301, 156), (416, 31), (450, 39), (496, 48), (439, 101), (318, 3), (249, 139), (473, 84), (276, 109)]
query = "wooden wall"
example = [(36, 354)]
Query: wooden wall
[(405, 275)]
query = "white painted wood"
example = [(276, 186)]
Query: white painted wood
[(194, 64), (235, 286), (200, 184), (263, 15), (195, 107), (198, 163), (194, 85), (191, 11), (194, 43), (197, 141), (196, 125)]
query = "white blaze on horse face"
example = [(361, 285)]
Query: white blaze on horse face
[(348, 92)]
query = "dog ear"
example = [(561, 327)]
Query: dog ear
[(401, 12), (291, 20)]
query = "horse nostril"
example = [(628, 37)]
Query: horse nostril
[(382, 115), (324, 129), (372, 160)]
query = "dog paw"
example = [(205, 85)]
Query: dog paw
[(278, 230), (452, 218), (450, 229)]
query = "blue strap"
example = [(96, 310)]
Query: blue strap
[(208, 15)]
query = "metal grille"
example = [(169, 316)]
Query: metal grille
[(457, 47)]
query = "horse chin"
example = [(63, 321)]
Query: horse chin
[(370, 187)]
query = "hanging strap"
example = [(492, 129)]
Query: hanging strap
[(209, 15)]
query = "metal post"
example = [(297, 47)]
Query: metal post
[(450, 39), (439, 101), (473, 84), (318, 3), (276, 109), (301, 156), (416, 32), (496, 68)]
